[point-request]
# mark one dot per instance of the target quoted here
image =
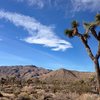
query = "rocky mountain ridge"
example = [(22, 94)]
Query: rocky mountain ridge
[(31, 71)]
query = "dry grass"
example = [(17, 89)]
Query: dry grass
[(55, 90), (89, 97)]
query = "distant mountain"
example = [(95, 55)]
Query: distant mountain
[(30, 71), (66, 75), (24, 72)]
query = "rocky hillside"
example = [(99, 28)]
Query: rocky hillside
[(35, 83), (66, 75), (31, 71), (24, 72)]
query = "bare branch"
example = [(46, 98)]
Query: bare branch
[(94, 33), (98, 52), (86, 46), (99, 36)]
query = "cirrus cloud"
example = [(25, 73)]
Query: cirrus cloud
[(38, 3), (83, 5), (73, 5), (37, 32)]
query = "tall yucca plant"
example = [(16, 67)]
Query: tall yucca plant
[(89, 28)]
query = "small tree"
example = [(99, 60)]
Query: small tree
[(90, 30)]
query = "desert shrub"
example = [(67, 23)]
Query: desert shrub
[(79, 87), (23, 96), (89, 97), (2, 81), (48, 98), (17, 91), (28, 89), (29, 81), (56, 88), (92, 79), (37, 81)]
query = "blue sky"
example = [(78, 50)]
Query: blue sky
[(32, 32)]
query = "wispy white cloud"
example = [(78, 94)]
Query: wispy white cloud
[(92, 5), (38, 3), (38, 33), (47, 3), (73, 5)]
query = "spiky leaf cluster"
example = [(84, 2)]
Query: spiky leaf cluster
[(69, 33), (97, 18), (86, 25), (89, 26), (75, 24)]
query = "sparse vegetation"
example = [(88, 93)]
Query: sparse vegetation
[(55, 90), (55, 85)]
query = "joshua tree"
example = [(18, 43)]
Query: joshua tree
[(91, 29)]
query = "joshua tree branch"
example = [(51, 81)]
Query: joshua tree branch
[(99, 36), (98, 52), (94, 33), (86, 46)]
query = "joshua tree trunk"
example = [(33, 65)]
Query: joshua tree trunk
[(97, 69), (95, 59)]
